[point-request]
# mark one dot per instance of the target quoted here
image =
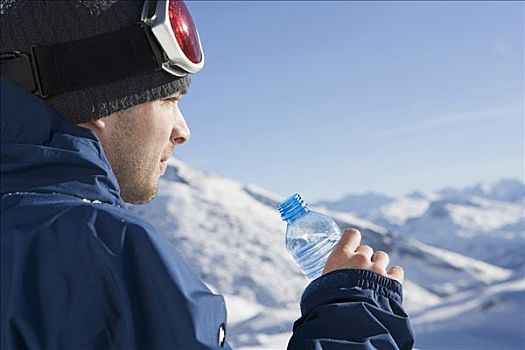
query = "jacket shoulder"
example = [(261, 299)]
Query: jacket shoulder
[(106, 266), (72, 221)]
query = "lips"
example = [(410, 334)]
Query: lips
[(167, 156), (163, 162), (162, 167)]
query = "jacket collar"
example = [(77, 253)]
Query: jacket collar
[(42, 152)]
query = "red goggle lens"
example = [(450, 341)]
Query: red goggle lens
[(184, 30)]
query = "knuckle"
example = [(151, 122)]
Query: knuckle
[(378, 269), (360, 259), (342, 253), (347, 252), (365, 247), (381, 255), (335, 254)]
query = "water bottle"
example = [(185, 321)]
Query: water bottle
[(310, 236)]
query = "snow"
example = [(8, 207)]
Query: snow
[(507, 190), (252, 323), (417, 298), (462, 258), (209, 217), (96, 201), (485, 215), (477, 269), (485, 221), (462, 302), (483, 229), (441, 272), (398, 212), (492, 318)]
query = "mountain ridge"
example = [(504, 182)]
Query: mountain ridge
[(232, 235)]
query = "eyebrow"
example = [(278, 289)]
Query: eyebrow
[(182, 92)]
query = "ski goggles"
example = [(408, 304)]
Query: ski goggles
[(165, 38), (172, 25)]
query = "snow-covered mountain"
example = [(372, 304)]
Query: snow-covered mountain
[(484, 221), (488, 318), (233, 235), (488, 230), (388, 211), (506, 190)]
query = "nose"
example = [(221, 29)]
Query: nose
[(180, 132)]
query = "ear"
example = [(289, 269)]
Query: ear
[(96, 125), (100, 124), (99, 127)]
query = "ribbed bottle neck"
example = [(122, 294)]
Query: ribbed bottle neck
[(293, 208)]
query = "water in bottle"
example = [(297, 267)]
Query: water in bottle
[(310, 236)]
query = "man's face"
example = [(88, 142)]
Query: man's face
[(138, 142)]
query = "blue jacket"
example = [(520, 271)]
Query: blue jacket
[(80, 271)]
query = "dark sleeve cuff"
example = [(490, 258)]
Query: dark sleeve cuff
[(341, 284)]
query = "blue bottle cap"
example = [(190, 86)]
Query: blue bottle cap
[(292, 208)]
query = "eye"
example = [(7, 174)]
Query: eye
[(172, 99)]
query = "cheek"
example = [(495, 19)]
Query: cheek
[(160, 126)]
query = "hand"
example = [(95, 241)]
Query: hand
[(349, 254)]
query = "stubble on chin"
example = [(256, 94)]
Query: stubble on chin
[(133, 197), (138, 185), (137, 174)]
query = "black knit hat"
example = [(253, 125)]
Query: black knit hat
[(25, 23)]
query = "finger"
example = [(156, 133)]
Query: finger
[(381, 259), (349, 241), (343, 251), (397, 273), (365, 250)]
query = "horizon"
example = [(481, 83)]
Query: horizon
[(435, 191), (384, 97), (372, 191)]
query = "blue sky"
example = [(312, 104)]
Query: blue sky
[(328, 98)]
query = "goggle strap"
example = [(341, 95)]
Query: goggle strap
[(88, 62)]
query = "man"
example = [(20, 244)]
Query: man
[(89, 117)]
